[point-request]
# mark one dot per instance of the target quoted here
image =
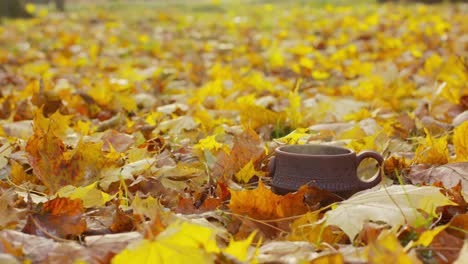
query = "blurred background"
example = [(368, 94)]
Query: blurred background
[(23, 8)]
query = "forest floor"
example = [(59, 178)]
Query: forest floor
[(143, 132)]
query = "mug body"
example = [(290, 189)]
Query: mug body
[(327, 167)]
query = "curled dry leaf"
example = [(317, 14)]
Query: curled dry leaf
[(449, 174)]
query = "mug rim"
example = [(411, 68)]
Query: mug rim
[(349, 151)]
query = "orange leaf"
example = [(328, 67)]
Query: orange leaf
[(247, 147), (60, 217), (56, 167), (262, 203)]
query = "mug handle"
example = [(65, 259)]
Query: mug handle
[(378, 177)]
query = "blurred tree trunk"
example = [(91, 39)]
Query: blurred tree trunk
[(60, 5), (12, 8)]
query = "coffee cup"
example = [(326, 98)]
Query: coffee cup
[(327, 167)]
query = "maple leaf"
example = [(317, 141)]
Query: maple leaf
[(460, 142), (56, 123), (394, 205), (387, 249), (432, 151), (247, 147), (179, 243), (10, 214), (60, 217), (247, 172), (262, 203), (57, 168), (90, 195)]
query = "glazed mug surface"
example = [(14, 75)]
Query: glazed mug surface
[(326, 167)]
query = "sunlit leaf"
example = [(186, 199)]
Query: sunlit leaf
[(394, 205), (179, 243)]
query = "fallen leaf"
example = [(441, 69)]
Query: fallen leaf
[(446, 247), (179, 243), (460, 142), (400, 204), (333, 258), (247, 172), (7, 210), (432, 150), (262, 203), (286, 252), (247, 147), (387, 249), (90, 195), (313, 230), (463, 254), (57, 168), (449, 174), (458, 226), (240, 249), (60, 217)]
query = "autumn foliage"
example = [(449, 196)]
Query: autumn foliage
[(145, 135)]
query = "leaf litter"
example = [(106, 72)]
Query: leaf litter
[(127, 137)]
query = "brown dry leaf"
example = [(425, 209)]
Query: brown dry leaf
[(449, 174), (204, 201), (119, 141), (187, 205), (9, 213), (458, 226), (48, 100), (247, 146), (39, 249), (370, 232), (286, 252), (446, 247), (57, 168), (60, 217), (103, 248), (123, 222), (261, 203)]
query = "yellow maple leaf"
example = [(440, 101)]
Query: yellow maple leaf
[(320, 75), (147, 207), (425, 239), (247, 172), (90, 195), (56, 123), (367, 142), (239, 249), (298, 136), (209, 143), (387, 249), (432, 150), (179, 243), (356, 133), (460, 142)]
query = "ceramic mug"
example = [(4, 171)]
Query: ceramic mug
[(326, 167)]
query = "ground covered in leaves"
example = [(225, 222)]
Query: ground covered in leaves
[(146, 135)]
